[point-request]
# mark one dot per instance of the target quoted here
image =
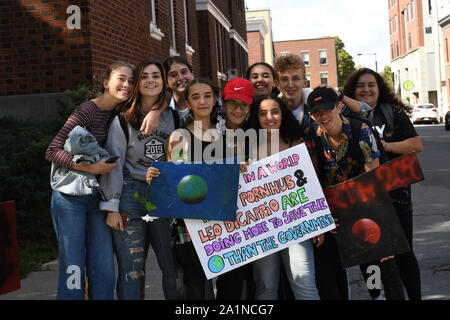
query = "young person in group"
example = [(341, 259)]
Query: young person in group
[(291, 74), (399, 137), (84, 240), (272, 115), (200, 95), (264, 79), (238, 97), (136, 152), (334, 134), (179, 74)]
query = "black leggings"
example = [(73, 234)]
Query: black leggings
[(331, 278), (407, 262)]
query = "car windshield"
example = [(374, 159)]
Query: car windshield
[(425, 107)]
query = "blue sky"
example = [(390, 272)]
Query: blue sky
[(363, 25)]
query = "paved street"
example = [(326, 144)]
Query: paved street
[(431, 199)]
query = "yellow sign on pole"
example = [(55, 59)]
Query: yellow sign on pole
[(408, 85)]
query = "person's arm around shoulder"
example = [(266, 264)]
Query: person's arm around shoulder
[(151, 120)]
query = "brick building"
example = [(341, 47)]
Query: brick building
[(412, 32), (319, 56), (259, 36), (445, 26), (45, 52)]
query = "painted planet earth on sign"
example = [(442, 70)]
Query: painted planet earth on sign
[(192, 189)]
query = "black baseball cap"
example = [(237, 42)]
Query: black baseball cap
[(321, 98)]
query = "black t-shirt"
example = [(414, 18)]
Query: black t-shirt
[(403, 129)]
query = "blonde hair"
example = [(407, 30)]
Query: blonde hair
[(288, 62)]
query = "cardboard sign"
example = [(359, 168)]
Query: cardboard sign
[(195, 191), (9, 260), (369, 226), (280, 203)]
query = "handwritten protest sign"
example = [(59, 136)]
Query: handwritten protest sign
[(280, 203), (369, 226)]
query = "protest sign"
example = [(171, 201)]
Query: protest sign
[(194, 191), (369, 226), (280, 203)]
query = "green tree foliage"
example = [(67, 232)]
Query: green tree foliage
[(387, 76), (25, 172), (346, 65)]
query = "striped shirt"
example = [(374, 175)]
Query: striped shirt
[(87, 115)]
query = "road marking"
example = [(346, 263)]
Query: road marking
[(437, 170)]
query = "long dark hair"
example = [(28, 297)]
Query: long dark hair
[(100, 89), (290, 128), (386, 93), (132, 106)]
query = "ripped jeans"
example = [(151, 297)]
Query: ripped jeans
[(130, 244)]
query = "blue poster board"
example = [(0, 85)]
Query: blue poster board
[(195, 191)]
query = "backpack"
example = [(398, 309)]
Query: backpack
[(123, 122)]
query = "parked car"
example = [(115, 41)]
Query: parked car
[(424, 112), (447, 120)]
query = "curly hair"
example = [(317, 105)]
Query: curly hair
[(290, 128), (290, 61), (386, 93)]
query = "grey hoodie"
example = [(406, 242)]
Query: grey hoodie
[(134, 158)]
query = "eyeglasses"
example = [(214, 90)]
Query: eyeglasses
[(285, 80), (233, 105)]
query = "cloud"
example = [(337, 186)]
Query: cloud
[(362, 25)]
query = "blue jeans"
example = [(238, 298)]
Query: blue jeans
[(298, 261), (130, 246), (85, 243)]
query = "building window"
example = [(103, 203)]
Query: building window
[(392, 51), (220, 50), (409, 41), (413, 9), (189, 49), (446, 48), (305, 58), (428, 30), (284, 53), (323, 57), (395, 23), (398, 49), (408, 12), (324, 78), (171, 26), (155, 32), (308, 80)]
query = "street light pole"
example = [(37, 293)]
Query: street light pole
[(371, 54)]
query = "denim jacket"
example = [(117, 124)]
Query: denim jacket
[(85, 149)]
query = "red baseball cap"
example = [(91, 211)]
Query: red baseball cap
[(240, 89)]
